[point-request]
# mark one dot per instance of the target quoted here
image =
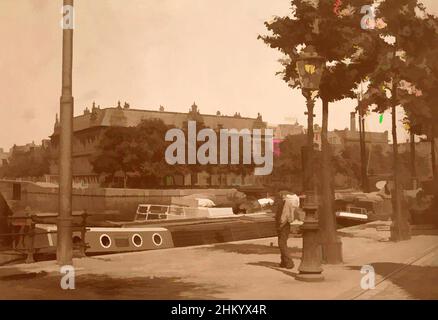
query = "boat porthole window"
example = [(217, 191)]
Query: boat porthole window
[(105, 241), (137, 240), (157, 239)]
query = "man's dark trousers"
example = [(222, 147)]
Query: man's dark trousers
[(283, 236)]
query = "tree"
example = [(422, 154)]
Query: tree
[(33, 163), (336, 34), (289, 164), (421, 110), (363, 150), (396, 76), (288, 167), (288, 173), (133, 152), (150, 137)]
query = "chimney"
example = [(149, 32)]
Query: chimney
[(353, 121)]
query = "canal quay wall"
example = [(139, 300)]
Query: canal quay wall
[(23, 196)]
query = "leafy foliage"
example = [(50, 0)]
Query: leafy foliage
[(134, 153), (345, 163), (348, 50), (33, 163), (405, 72)]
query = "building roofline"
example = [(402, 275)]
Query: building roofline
[(82, 130), (176, 112)]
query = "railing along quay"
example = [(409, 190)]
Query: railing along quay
[(28, 232)]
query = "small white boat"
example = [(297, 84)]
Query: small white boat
[(352, 215), (153, 212), (146, 212)]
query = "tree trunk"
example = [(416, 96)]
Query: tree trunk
[(399, 227), (433, 155), (434, 171), (331, 244), (125, 181), (413, 167), (363, 152)]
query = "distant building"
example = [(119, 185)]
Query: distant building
[(4, 156), (30, 161), (348, 137), (45, 143), (24, 148), (281, 131), (90, 127)]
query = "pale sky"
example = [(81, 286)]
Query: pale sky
[(148, 53)]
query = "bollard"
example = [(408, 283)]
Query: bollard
[(310, 269)]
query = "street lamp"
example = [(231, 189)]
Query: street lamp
[(310, 67)]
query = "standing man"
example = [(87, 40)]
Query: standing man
[(284, 216)]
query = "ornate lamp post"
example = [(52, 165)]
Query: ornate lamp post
[(310, 67)]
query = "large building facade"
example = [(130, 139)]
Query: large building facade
[(89, 128)]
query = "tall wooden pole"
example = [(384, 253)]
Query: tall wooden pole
[(64, 237)]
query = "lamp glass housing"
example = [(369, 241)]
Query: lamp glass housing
[(310, 67)]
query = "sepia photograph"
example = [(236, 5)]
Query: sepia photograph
[(237, 151)]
